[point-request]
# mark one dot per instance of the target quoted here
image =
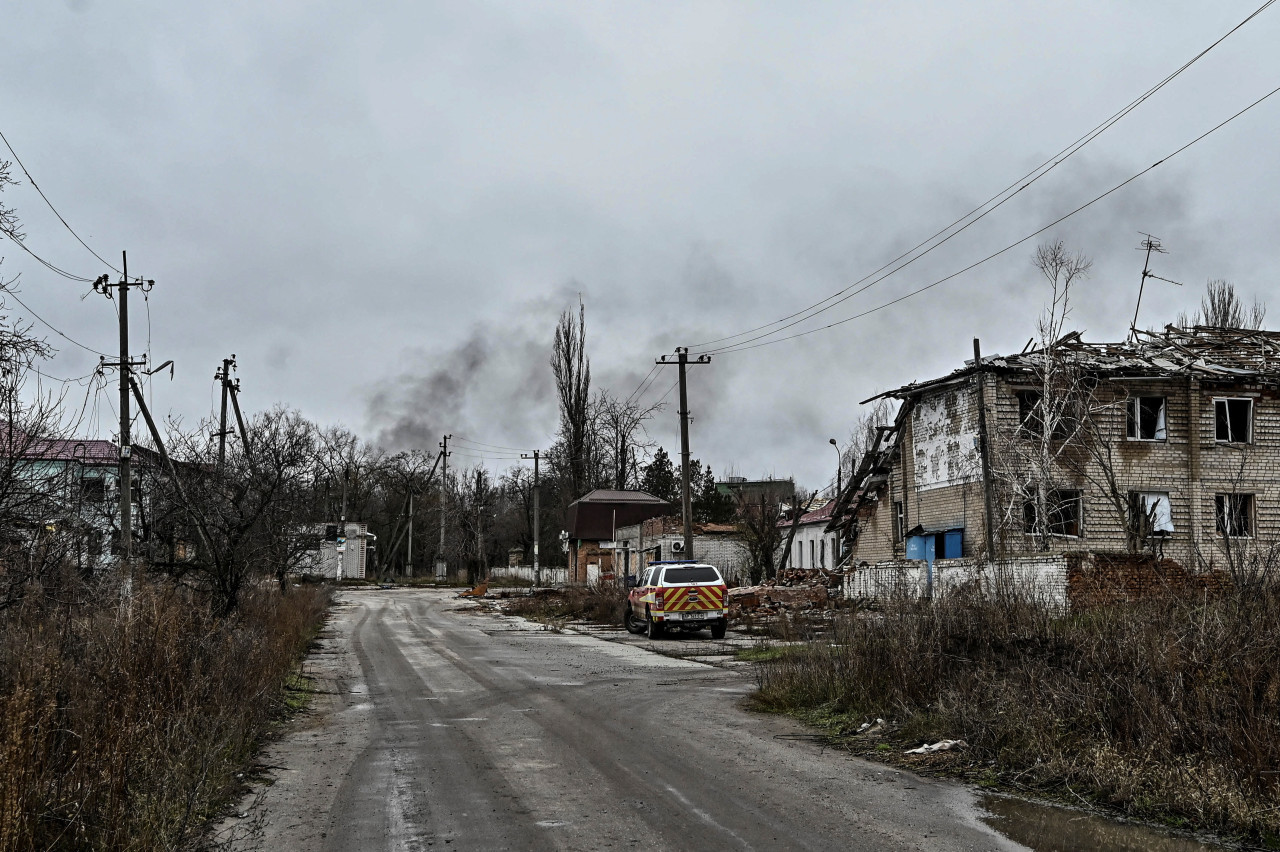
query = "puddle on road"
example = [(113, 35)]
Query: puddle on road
[(1045, 828)]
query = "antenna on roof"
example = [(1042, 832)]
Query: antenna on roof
[(1150, 244)]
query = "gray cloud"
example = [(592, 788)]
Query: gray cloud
[(377, 207)]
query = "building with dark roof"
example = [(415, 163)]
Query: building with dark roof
[(592, 521)]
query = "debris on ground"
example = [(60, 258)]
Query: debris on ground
[(476, 592), (794, 589), (940, 745), (871, 727)]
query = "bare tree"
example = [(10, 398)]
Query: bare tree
[(1028, 462), (620, 427), (1220, 307), (758, 513), (572, 370)]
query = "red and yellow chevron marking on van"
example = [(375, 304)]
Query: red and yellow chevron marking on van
[(691, 598)]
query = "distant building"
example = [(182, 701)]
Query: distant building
[(591, 524), (814, 546), (659, 539), (341, 553)]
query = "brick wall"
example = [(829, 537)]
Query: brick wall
[(1100, 579), (1189, 464)]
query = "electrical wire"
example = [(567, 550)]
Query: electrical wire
[(972, 217), (51, 327), (744, 347), (643, 381), (18, 160), (495, 446), (17, 240)]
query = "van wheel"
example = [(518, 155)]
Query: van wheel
[(656, 628), (634, 625), (718, 629)]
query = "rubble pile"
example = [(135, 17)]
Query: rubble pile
[(794, 589)]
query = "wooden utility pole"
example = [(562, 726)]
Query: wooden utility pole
[(125, 365), (442, 567), (984, 448), (537, 527), (682, 361)]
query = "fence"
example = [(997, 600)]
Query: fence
[(547, 576)]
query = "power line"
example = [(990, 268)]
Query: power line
[(744, 347), (18, 160), (17, 239), (972, 217), (47, 324), (643, 381), (496, 446)]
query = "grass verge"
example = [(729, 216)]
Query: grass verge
[(1167, 710), (128, 713)]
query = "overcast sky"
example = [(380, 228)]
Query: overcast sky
[(381, 208)]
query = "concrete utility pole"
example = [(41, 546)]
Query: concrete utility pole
[(408, 547), (442, 566), (125, 365), (537, 528), (223, 375), (682, 360)]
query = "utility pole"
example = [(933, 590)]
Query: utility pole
[(984, 441), (1151, 244), (442, 567), (223, 375), (408, 547), (537, 528), (682, 360), (125, 365)]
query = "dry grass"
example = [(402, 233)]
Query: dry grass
[(125, 717), (602, 604), (1166, 709)]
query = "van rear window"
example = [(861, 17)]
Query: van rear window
[(691, 575)]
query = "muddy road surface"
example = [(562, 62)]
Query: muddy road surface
[(440, 727)]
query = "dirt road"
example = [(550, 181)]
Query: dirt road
[(445, 728)]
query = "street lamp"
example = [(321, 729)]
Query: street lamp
[(839, 468)]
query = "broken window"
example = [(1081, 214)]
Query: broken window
[(1234, 419), (93, 489), (1234, 514), (1147, 418), (1152, 513), (1064, 513), (1029, 414), (899, 522)]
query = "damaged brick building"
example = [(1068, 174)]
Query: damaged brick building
[(1166, 444)]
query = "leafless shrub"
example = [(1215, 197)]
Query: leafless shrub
[(604, 603), (1167, 708), (125, 719)]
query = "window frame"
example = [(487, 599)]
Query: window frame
[(1250, 506), (1056, 501), (1153, 531), (1133, 419), (1225, 420)]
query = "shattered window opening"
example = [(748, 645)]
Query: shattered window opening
[(1234, 513), (1152, 512), (1064, 514), (1233, 418), (1147, 418)]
